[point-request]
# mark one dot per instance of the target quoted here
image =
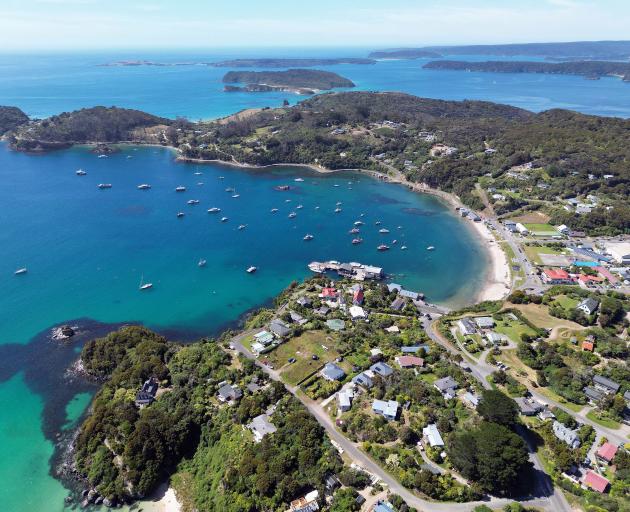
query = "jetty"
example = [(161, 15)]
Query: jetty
[(353, 270)]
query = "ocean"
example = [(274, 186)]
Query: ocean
[(87, 250)]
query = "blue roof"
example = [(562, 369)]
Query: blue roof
[(383, 507), (382, 369), (586, 264), (333, 372), (363, 380)]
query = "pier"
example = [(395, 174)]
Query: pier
[(353, 270)]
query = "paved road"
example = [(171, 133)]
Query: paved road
[(553, 503)]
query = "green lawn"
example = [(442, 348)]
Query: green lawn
[(513, 329), (302, 349), (604, 422), (533, 253), (541, 229)]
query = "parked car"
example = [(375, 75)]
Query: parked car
[(315, 357), (292, 360)]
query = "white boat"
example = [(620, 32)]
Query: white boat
[(221, 177), (430, 248), (317, 207), (317, 267), (224, 219), (81, 172), (299, 180), (180, 215), (235, 195), (337, 210), (354, 231), (143, 285), (308, 237), (102, 156), (229, 189), (200, 183), (299, 207), (274, 210), (287, 200), (356, 241), (403, 247), (358, 223), (181, 188), (383, 247), (202, 263), (193, 201), (292, 215), (377, 223), (144, 186), (214, 209), (251, 270), (104, 185), (383, 230), (198, 173), (335, 185), (21, 271), (394, 242), (339, 203), (242, 226)]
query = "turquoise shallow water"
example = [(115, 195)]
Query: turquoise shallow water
[(87, 249)]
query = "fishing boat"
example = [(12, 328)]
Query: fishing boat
[(144, 186), (193, 201), (242, 226), (354, 231), (383, 231), (308, 237), (430, 248), (143, 285), (274, 210), (201, 263), (20, 271), (180, 215), (214, 209), (383, 247), (180, 189), (81, 172), (299, 180), (251, 270), (224, 219), (292, 215), (104, 185), (357, 241)]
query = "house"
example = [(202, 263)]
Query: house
[(382, 369), (147, 393), (563, 229), (585, 281), (305, 302), (409, 361), (593, 395), (546, 414), (521, 229), (364, 379), (357, 296), (620, 252), (447, 386), (470, 399), (555, 276), (393, 287), (494, 338), (322, 311), (467, 326), (387, 409), (344, 399), (328, 293), (229, 393), (383, 506), (605, 385), (510, 226), (357, 313), (588, 306), (596, 482), (414, 349), (398, 303), (307, 503), (606, 452), (261, 426), (431, 435), (407, 294), (263, 337), (335, 324), (588, 346), (565, 434), (528, 406), (296, 318), (332, 372), (279, 328), (484, 322)]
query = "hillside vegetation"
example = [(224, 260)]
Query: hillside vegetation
[(299, 78), (11, 118)]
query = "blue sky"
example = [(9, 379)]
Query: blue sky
[(94, 24)]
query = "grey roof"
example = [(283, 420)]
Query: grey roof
[(386, 408), (363, 380), (304, 301), (262, 425), (484, 321), (229, 392), (626, 395), (333, 372), (593, 394), (279, 328), (566, 434), (446, 384), (398, 303), (323, 310), (589, 303), (607, 383), (382, 369), (528, 406), (393, 287), (409, 294)]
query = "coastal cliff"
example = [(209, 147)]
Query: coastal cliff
[(11, 118)]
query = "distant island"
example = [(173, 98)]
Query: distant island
[(589, 69), (287, 63), (299, 81), (579, 50)]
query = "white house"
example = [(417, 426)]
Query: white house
[(357, 313), (431, 435), (588, 306)]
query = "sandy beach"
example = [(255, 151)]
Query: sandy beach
[(163, 500)]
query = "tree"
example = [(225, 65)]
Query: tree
[(345, 500), (491, 455), (497, 407)]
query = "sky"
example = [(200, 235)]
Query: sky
[(27, 25)]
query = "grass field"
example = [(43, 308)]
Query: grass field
[(604, 422), (513, 329), (532, 218), (566, 302), (302, 349), (537, 229), (539, 316), (533, 253)]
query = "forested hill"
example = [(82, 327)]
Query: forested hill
[(11, 118), (97, 124), (586, 68), (288, 63), (297, 78), (597, 50)]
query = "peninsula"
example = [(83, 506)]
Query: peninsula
[(289, 63), (299, 81), (589, 69)]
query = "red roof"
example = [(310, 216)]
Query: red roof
[(405, 361), (607, 275), (596, 482), (556, 273), (329, 292), (358, 296), (588, 345), (585, 278), (607, 451)]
